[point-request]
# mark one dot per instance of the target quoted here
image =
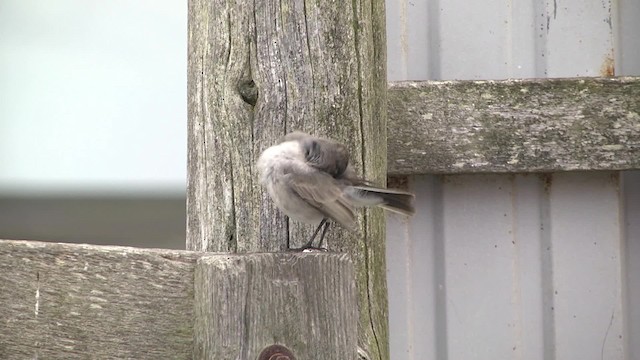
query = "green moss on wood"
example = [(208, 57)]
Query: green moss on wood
[(514, 125)]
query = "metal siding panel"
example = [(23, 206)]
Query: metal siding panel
[(467, 30), (579, 38), (495, 299), (631, 181), (627, 28), (523, 42), (400, 291), (486, 40), (456, 40), (397, 44), (415, 277), (530, 212), (409, 28), (585, 220), (499, 39), (481, 283), (522, 276)]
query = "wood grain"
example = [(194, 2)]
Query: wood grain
[(537, 125), (258, 70), (306, 302), (67, 301), (63, 301)]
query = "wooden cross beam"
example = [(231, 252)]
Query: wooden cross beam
[(67, 301)]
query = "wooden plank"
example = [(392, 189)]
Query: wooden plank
[(306, 302), (63, 301), (67, 301), (258, 70), (514, 125)]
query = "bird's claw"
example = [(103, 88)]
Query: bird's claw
[(308, 249)]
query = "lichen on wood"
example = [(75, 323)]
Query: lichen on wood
[(536, 125)]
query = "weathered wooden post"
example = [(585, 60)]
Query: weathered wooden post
[(258, 70), (245, 304)]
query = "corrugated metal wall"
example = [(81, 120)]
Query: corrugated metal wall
[(527, 266)]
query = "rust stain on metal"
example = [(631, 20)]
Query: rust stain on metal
[(615, 180), (547, 178), (607, 68)]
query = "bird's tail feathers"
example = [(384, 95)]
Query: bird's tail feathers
[(398, 201)]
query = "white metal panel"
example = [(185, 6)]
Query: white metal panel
[(410, 23), (487, 40), (484, 301), (531, 265), (586, 248), (482, 283), (509, 266), (496, 39), (416, 282), (631, 182), (577, 37), (627, 48)]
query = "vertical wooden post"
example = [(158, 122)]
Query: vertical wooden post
[(246, 303), (258, 70)]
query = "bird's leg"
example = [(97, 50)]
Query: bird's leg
[(309, 244), (324, 231)]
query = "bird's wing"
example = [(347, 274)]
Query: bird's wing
[(324, 193)]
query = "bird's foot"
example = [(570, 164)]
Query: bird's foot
[(308, 248)]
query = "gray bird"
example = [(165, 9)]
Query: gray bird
[(309, 178)]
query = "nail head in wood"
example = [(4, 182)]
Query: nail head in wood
[(276, 352)]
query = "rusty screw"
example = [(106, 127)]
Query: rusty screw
[(276, 352)]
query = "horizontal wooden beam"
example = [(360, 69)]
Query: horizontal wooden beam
[(66, 301), (536, 125)]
